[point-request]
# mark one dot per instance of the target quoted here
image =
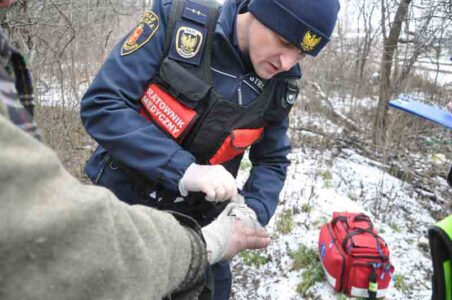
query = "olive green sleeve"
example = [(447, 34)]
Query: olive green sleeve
[(60, 239)]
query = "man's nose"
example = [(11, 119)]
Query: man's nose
[(289, 58)]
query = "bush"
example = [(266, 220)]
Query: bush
[(307, 259), (254, 258), (285, 222), (400, 283)]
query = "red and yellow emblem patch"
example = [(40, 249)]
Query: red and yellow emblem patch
[(142, 33)]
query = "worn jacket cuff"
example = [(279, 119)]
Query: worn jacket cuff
[(263, 215), (193, 280)]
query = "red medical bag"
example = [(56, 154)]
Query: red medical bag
[(355, 258)]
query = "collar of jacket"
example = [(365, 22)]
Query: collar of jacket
[(227, 29), (5, 49)]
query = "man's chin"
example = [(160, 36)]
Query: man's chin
[(264, 74)]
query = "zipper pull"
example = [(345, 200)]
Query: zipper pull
[(373, 284), (239, 91)]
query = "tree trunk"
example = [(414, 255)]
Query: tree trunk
[(389, 47)]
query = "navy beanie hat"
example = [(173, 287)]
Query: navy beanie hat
[(308, 24)]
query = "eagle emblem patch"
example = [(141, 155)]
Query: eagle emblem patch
[(142, 34), (310, 40), (188, 42)]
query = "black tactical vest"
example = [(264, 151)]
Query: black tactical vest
[(217, 121)]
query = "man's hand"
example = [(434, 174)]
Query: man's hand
[(233, 231), (214, 181)]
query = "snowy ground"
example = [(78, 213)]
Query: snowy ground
[(345, 181), (320, 182)]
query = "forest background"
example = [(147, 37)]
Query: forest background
[(381, 50)]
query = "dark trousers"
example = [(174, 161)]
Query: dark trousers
[(223, 281)]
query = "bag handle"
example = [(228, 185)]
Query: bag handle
[(357, 218), (360, 231), (340, 218)]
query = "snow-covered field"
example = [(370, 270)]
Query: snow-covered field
[(318, 183)]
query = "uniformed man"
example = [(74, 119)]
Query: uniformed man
[(183, 95), (60, 239)]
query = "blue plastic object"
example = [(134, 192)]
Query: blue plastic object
[(423, 110)]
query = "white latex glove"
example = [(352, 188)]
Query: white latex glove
[(229, 234), (214, 181)]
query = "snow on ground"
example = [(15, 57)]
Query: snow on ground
[(348, 104), (318, 183)]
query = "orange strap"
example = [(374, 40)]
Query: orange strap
[(235, 144)]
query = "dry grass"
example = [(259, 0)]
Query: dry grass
[(63, 132)]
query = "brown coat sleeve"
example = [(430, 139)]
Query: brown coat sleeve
[(60, 239)]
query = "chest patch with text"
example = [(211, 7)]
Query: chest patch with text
[(167, 112)]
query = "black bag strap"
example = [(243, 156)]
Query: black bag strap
[(203, 70), (340, 219), (357, 218), (361, 231), (364, 218)]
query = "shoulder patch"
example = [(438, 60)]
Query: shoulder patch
[(195, 12), (187, 43), (142, 34)]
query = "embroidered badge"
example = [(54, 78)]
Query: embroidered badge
[(188, 41), (310, 41), (142, 33)]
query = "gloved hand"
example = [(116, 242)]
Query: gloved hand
[(232, 232), (214, 181)]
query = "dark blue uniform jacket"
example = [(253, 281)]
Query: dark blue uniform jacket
[(109, 112)]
